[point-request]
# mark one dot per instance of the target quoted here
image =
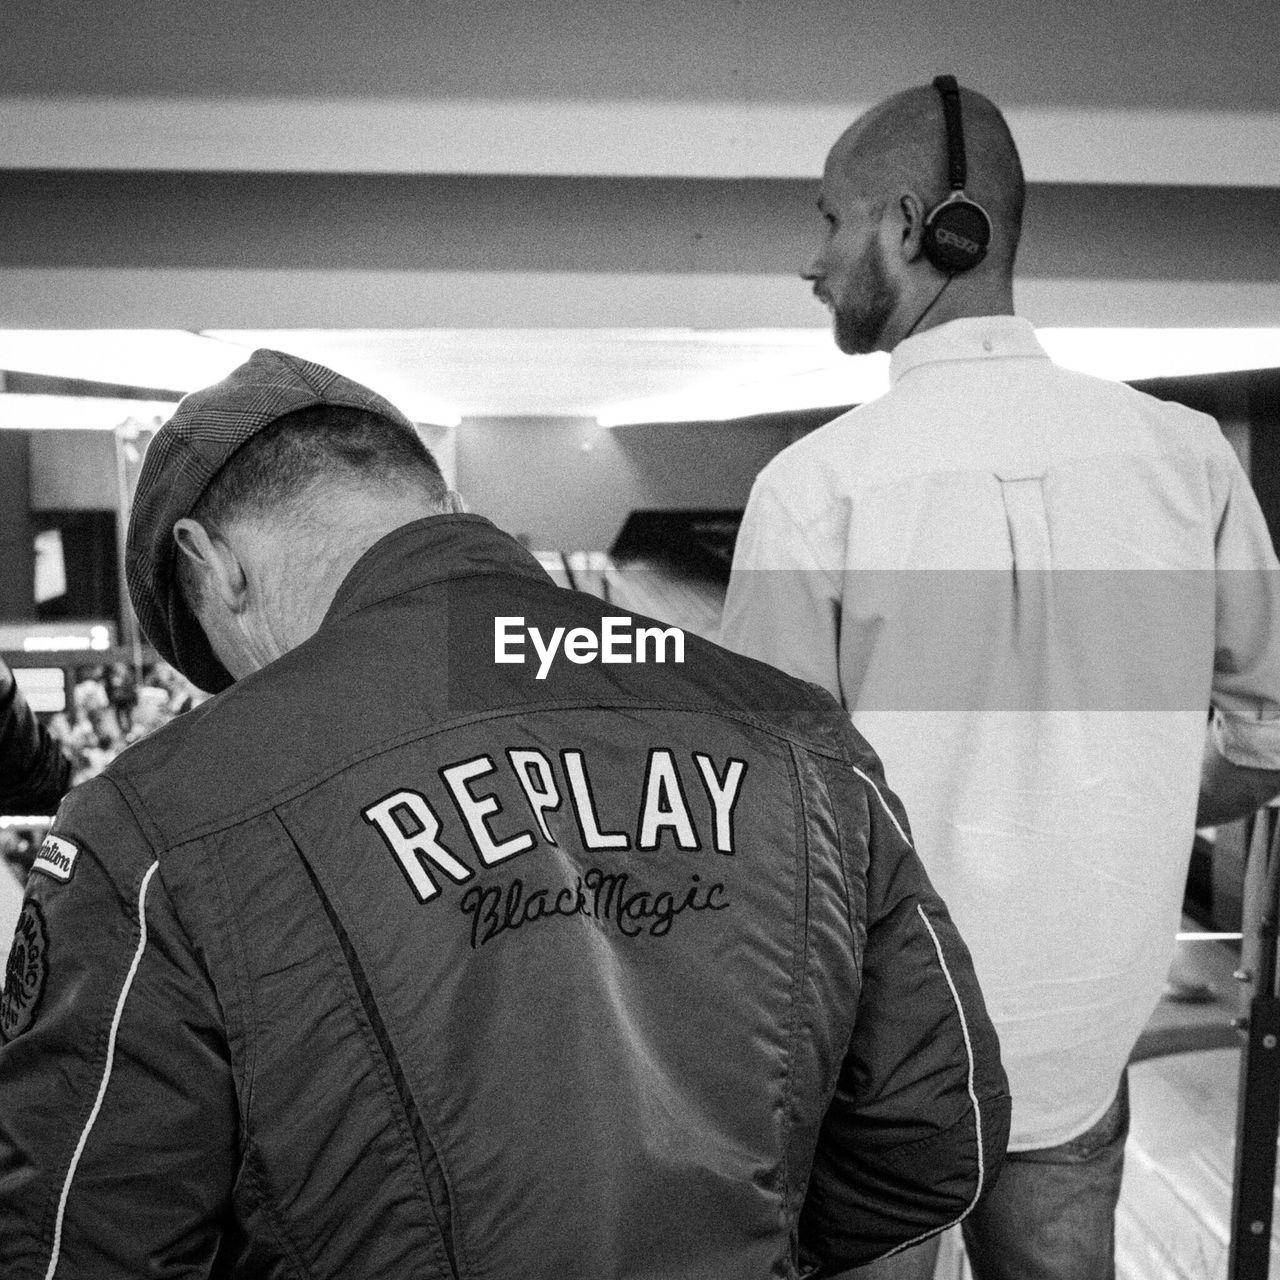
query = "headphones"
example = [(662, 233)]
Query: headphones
[(957, 232)]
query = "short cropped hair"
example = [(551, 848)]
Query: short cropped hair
[(325, 444)]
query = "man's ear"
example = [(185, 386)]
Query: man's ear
[(911, 217), (215, 562), (456, 504)]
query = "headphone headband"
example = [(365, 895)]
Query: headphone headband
[(949, 91), (957, 232)]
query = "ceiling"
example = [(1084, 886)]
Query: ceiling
[(598, 208), (613, 376), (650, 87)]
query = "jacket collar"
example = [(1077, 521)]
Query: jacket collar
[(970, 338), (434, 549)]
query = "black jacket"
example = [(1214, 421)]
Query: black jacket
[(395, 959), (34, 773)]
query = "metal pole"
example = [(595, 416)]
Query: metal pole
[(131, 438), (1258, 1104)]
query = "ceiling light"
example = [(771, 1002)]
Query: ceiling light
[(1130, 354), (835, 380), (843, 381), (166, 359), (390, 362), (81, 413), (428, 413)]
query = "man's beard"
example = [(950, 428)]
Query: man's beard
[(859, 323)]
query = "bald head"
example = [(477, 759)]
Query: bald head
[(901, 145)]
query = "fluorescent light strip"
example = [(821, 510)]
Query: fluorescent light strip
[(90, 413), (167, 359), (761, 371), (427, 413), (79, 413), (172, 359), (830, 380), (836, 380), (1128, 354), (375, 358)]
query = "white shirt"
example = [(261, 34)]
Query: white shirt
[(1027, 586)]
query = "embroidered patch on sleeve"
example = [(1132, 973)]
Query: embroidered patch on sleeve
[(57, 858), (26, 972)]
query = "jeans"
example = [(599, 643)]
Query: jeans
[(1050, 1215)]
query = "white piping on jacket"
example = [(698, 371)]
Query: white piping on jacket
[(973, 1097), (883, 803), (106, 1071), (964, 1031)]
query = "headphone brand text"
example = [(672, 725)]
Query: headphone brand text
[(963, 243)]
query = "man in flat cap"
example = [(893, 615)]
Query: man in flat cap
[(472, 929)]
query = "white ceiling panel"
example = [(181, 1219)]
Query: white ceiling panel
[(717, 139), (614, 375), (584, 373)]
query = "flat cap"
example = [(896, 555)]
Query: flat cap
[(207, 427)]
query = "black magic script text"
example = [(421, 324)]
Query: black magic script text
[(604, 897)]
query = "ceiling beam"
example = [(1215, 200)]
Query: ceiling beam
[(639, 138), (400, 222), (229, 298)]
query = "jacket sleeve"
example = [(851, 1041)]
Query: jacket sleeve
[(919, 1122), (117, 1113), (34, 774)]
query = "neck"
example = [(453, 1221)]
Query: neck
[(949, 298), (294, 576)]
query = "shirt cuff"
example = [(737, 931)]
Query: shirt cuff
[(1252, 743)]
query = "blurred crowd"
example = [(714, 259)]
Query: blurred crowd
[(110, 708)]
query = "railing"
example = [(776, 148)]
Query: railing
[(1258, 1105)]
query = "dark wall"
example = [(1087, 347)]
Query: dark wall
[(1264, 418), (78, 495), (17, 552), (1247, 407), (569, 484), (89, 560)]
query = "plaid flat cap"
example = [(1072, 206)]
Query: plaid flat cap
[(207, 427)]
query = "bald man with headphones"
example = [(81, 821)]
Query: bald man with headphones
[(933, 559)]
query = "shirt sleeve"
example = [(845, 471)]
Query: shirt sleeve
[(783, 604), (919, 1123), (1246, 672), (117, 1112), (34, 774)]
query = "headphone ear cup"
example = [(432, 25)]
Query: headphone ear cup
[(957, 234)]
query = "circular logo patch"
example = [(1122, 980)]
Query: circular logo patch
[(25, 974)]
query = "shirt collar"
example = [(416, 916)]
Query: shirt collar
[(970, 338), (433, 549)]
